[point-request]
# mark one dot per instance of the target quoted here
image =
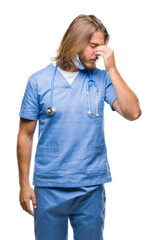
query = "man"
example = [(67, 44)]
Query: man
[(71, 164)]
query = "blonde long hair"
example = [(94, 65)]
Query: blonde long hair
[(76, 37)]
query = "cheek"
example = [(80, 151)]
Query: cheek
[(90, 53), (87, 53)]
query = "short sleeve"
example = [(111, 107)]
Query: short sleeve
[(29, 105), (110, 94)]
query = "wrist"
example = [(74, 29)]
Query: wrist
[(24, 184), (111, 70)]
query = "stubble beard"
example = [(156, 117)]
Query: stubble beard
[(89, 66)]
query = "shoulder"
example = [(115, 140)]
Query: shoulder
[(41, 74)]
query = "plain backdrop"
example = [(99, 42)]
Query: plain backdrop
[(30, 33)]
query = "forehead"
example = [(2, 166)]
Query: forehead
[(97, 38)]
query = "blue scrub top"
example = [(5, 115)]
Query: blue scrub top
[(71, 149)]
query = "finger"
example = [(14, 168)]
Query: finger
[(98, 48), (102, 47), (34, 203), (22, 203), (100, 53), (28, 209)]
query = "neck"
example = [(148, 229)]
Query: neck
[(70, 69)]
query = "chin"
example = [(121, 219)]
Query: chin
[(90, 66)]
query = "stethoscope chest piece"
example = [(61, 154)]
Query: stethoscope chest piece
[(51, 110)]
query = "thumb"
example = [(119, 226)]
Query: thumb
[(33, 198)]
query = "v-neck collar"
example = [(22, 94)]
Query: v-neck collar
[(75, 82)]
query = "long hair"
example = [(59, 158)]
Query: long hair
[(77, 36)]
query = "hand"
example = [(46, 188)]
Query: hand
[(27, 194), (108, 56)]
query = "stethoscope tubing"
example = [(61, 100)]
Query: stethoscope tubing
[(52, 85), (90, 80)]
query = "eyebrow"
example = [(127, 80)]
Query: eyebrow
[(97, 44)]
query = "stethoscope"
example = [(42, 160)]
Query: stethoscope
[(51, 109)]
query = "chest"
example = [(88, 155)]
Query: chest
[(72, 99)]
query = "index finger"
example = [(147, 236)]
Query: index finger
[(28, 209)]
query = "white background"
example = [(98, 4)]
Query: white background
[(30, 33)]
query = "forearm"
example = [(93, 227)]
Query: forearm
[(24, 148), (128, 101)]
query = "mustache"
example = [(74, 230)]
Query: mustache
[(84, 59), (94, 58)]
